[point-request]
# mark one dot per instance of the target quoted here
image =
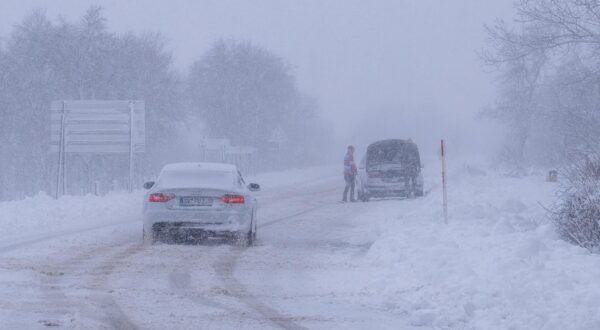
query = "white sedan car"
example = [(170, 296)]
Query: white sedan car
[(200, 200)]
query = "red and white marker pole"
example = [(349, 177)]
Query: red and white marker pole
[(445, 196)]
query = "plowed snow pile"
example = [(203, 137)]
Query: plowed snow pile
[(42, 215), (497, 264)]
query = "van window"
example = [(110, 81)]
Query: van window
[(393, 153), (390, 154)]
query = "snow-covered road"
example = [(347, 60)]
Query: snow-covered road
[(101, 276), (389, 264)]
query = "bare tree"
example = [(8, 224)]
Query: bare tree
[(545, 59)]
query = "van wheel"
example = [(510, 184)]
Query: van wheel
[(412, 194), (364, 197), (148, 237)]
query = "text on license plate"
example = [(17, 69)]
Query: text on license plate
[(195, 201)]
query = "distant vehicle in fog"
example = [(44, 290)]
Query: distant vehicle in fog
[(390, 168), (200, 200)]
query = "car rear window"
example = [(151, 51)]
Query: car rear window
[(196, 178)]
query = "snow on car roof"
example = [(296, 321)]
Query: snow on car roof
[(200, 166)]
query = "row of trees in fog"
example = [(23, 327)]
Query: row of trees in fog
[(549, 62), (246, 93), (236, 90)]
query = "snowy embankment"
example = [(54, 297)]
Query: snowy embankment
[(497, 264), (42, 215)]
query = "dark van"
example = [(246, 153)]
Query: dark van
[(390, 168)]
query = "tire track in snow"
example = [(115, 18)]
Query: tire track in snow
[(180, 282), (81, 266), (180, 279), (54, 275), (226, 266), (113, 313), (225, 269)]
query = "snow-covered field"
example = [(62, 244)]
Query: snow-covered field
[(388, 264)]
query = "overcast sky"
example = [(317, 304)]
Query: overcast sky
[(397, 68)]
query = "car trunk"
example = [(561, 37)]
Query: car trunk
[(199, 199)]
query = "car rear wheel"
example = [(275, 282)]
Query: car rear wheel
[(244, 239)]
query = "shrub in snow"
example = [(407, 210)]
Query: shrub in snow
[(577, 212)]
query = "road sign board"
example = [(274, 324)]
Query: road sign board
[(92, 126)]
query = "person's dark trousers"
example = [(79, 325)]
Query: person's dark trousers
[(350, 180)]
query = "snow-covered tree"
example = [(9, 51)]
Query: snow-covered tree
[(246, 94), (45, 61), (242, 91), (548, 84)]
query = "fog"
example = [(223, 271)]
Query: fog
[(351, 73), (378, 69), (129, 128)]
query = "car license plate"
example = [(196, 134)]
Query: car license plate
[(195, 201)]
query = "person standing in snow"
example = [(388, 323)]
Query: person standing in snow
[(349, 174)]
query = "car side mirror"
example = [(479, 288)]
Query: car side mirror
[(254, 187), (148, 184)]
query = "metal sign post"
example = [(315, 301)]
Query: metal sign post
[(130, 146), (445, 196), (61, 154)]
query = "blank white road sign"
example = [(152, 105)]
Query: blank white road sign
[(98, 126)]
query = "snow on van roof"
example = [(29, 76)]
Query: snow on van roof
[(200, 166)]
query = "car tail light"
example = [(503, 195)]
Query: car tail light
[(233, 199), (160, 197)]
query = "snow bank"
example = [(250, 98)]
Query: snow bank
[(42, 215), (496, 265)]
